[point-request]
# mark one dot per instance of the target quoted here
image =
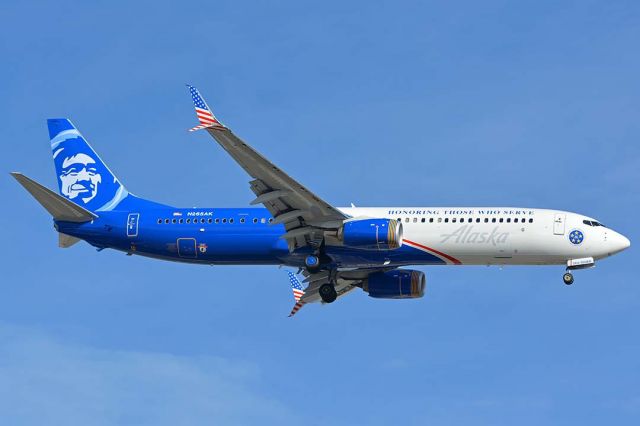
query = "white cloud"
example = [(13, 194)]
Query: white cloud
[(44, 381)]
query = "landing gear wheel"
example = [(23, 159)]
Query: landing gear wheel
[(567, 278), (312, 263), (328, 293)]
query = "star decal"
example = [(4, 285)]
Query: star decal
[(576, 237)]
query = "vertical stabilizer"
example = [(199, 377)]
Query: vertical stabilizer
[(83, 177)]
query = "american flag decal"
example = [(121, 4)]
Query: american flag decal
[(203, 112), (298, 292)]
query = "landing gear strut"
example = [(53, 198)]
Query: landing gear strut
[(328, 293), (567, 278)]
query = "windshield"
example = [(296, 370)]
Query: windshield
[(592, 223)]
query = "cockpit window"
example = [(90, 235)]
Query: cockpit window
[(592, 223)]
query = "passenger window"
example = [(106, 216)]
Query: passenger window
[(493, 220), (209, 220), (224, 220), (263, 220), (188, 220), (406, 220), (486, 220), (270, 220), (446, 220), (415, 220), (430, 220), (166, 221), (242, 220), (508, 220), (159, 221), (255, 220), (453, 220), (423, 220), (477, 220), (180, 220), (439, 220), (217, 220), (399, 219), (531, 220), (231, 220)]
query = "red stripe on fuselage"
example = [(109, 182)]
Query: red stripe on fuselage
[(434, 251)]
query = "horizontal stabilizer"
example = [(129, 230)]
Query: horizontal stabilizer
[(65, 241), (59, 207)]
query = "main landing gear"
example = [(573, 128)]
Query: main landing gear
[(567, 278), (328, 292)]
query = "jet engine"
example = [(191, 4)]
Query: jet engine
[(395, 284), (371, 234)]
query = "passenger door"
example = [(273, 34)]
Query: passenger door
[(558, 223), (132, 224)]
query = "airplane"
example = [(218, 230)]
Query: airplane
[(336, 249)]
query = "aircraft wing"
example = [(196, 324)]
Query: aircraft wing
[(303, 214)]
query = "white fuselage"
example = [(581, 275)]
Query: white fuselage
[(500, 235)]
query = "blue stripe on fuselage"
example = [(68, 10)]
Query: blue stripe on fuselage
[(220, 236)]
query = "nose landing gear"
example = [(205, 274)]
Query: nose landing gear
[(567, 278), (574, 264)]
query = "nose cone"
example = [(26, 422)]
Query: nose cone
[(618, 242), (625, 242)]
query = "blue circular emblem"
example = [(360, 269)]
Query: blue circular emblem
[(576, 237)]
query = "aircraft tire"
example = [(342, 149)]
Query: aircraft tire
[(567, 278), (328, 293)]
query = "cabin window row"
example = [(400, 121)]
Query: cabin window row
[(468, 220), (211, 220)]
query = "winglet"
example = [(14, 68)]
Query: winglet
[(203, 112), (298, 292)]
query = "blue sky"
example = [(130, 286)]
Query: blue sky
[(394, 103)]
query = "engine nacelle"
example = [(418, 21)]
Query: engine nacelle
[(372, 234), (396, 284)]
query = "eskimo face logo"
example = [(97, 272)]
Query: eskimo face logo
[(79, 178)]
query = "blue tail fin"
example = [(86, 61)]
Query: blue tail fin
[(82, 176)]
